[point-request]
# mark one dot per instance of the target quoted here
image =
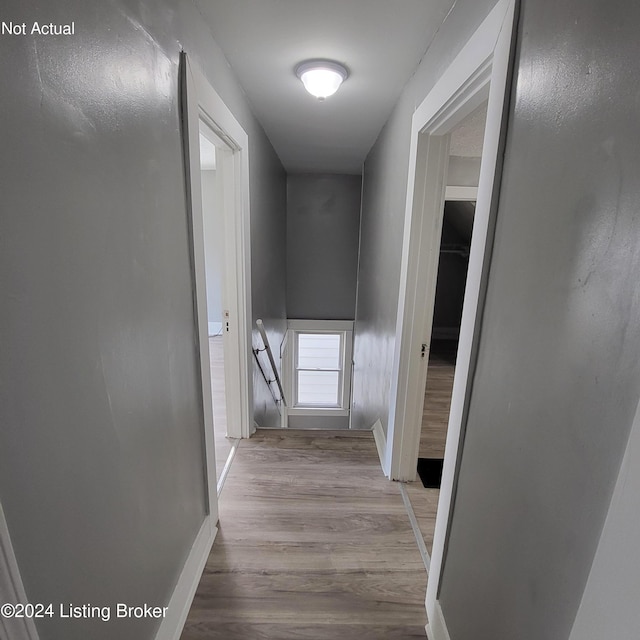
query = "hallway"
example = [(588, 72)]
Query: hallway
[(330, 199), (314, 543)]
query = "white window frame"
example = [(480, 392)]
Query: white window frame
[(295, 327), (339, 370)]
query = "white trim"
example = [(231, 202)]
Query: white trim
[(215, 329), (182, 597), (437, 627), (381, 443), (191, 134), (286, 358), (12, 589), (466, 194), (343, 327), (319, 412), (421, 252), (317, 326), (227, 465), (422, 547), (347, 371), (203, 103), (478, 73)]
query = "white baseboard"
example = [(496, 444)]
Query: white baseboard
[(437, 628), (227, 465), (12, 590), (381, 443), (215, 328), (182, 597)]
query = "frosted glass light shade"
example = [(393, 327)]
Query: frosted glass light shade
[(321, 78)]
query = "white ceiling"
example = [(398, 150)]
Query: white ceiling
[(380, 42)]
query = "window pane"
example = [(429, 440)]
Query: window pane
[(318, 388), (319, 350)]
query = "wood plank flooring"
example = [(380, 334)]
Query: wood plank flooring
[(425, 506), (437, 402), (433, 435), (314, 543)]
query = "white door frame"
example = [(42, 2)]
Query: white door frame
[(203, 103), (480, 72)]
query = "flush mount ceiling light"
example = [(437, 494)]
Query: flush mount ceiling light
[(321, 78)]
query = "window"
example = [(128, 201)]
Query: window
[(319, 366), (318, 369)]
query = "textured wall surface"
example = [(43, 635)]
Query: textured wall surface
[(556, 386), (101, 476), (323, 218)]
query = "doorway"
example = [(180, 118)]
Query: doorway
[(462, 178), (445, 333), (217, 174), (214, 160), (480, 73), (458, 212)]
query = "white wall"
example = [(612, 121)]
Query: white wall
[(213, 248), (463, 171)]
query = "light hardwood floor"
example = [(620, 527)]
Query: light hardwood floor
[(437, 402), (314, 543), (433, 435)]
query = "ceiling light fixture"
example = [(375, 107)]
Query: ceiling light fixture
[(321, 78)]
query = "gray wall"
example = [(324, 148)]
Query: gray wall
[(268, 266), (609, 607), (213, 248), (101, 476), (384, 193), (323, 218), (556, 386)]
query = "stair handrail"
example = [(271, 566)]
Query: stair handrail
[(267, 348)]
